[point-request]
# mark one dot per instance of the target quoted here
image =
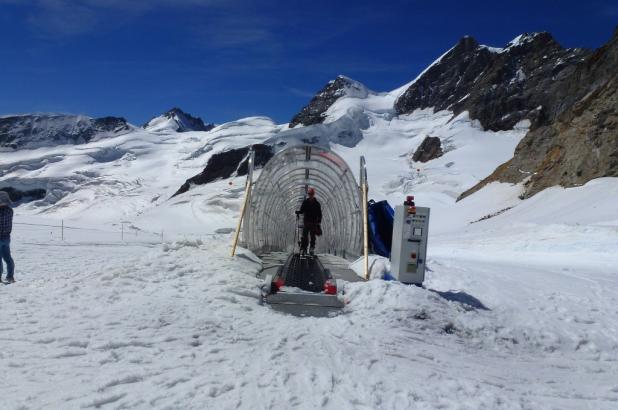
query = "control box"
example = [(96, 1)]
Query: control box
[(409, 243)]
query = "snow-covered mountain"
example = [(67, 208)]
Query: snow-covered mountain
[(314, 112), (567, 95), (498, 86), (46, 130), (176, 120), (352, 120)]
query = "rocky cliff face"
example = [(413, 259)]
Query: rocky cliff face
[(430, 148), (234, 162), (178, 121), (528, 79), (582, 142), (38, 130), (314, 112), (29, 195)]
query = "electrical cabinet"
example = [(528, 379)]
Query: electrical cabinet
[(409, 243)]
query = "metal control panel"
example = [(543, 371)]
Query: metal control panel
[(409, 243)]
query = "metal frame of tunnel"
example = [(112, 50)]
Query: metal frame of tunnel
[(270, 220)]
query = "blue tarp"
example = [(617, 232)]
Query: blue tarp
[(380, 216)]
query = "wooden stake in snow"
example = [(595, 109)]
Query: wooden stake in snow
[(246, 199), (365, 190)]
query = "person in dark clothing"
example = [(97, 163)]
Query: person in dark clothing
[(6, 226), (312, 218)]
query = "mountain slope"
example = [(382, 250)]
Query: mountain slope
[(41, 130), (314, 112), (528, 79), (582, 143)]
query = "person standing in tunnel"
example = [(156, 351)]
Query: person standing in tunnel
[(312, 218)]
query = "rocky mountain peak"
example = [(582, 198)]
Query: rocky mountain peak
[(177, 120), (466, 44), (348, 87), (448, 81), (175, 111), (527, 39), (315, 111), (499, 87), (529, 44), (580, 141)]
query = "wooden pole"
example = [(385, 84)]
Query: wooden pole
[(364, 194), (365, 233), (242, 214), (249, 183)]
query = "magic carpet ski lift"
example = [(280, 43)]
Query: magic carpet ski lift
[(269, 206)]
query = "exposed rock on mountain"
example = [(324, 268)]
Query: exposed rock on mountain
[(314, 112), (228, 163), (528, 79), (430, 148), (26, 196), (582, 143), (346, 131), (178, 121), (38, 130)]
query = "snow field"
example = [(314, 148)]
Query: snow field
[(178, 325), (121, 177)]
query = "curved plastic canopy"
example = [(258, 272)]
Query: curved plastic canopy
[(270, 223)]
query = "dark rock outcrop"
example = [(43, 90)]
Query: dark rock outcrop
[(528, 79), (234, 162), (179, 121), (314, 112), (430, 148), (24, 196), (38, 130), (582, 143)]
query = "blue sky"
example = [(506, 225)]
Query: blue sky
[(223, 60)]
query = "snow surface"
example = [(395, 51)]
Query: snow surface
[(141, 306)]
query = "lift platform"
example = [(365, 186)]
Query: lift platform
[(303, 280)]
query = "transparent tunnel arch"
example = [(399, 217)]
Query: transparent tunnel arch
[(270, 221)]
